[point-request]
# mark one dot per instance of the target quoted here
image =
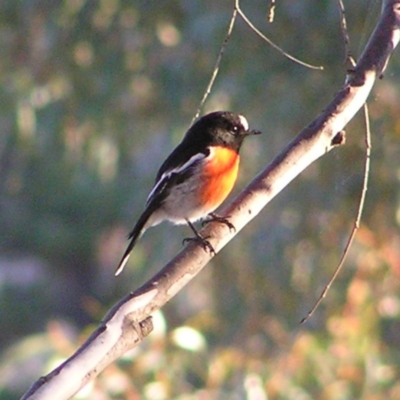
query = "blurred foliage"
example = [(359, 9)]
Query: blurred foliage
[(90, 92)]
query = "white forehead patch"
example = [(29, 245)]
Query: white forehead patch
[(244, 122)]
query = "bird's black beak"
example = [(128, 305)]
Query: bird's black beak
[(252, 132)]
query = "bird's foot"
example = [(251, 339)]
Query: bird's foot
[(202, 240), (217, 218)]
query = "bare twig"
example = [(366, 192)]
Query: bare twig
[(237, 10), (271, 11), (270, 42), (346, 39), (348, 59), (357, 219), (217, 64)]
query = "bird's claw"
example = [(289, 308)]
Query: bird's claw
[(203, 241), (217, 218)]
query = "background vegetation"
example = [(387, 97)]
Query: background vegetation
[(94, 95)]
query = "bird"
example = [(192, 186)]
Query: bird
[(195, 178)]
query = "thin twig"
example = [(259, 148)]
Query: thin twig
[(275, 46), (358, 216), (217, 64), (271, 11), (346, 39)]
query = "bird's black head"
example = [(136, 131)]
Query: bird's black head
[(221, 128)]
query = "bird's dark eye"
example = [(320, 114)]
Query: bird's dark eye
[(235, 129)]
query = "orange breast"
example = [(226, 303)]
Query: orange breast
[(220, 175)]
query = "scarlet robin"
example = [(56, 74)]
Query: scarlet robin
[(196, 177)]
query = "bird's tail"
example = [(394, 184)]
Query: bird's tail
[(134, 236)]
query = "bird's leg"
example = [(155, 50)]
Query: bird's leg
[(203, 241), (217, 218)]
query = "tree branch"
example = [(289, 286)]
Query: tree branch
[(128, 321)]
